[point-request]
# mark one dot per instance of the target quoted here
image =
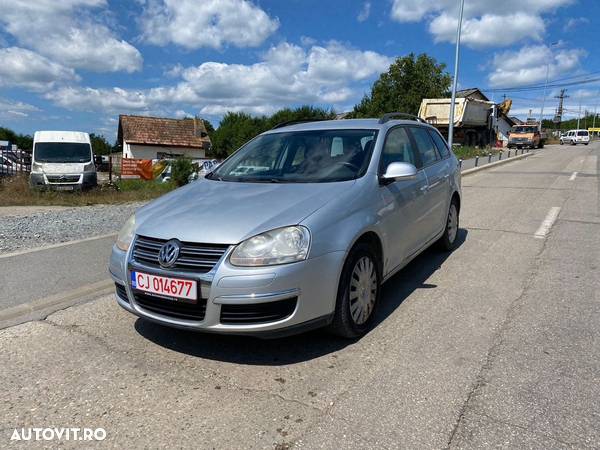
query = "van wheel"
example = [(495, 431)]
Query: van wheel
[(358, 293), (448, 240)]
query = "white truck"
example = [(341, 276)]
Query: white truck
[(472, 119), (62, 160)]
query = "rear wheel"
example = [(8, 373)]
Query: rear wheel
[(358, 293), (448, 240)]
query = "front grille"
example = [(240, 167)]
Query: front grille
[(63, 178), (172, 308), (193, 257), (121, 292), (258, 312)]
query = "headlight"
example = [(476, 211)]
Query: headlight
[(279, 246), (126, 234), (89, 167), (36, 168)]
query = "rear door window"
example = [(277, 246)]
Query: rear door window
[(582, 133), (427, 150), (439, 143)]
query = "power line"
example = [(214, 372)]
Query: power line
[(554, 83)]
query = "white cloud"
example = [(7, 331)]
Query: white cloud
[(365, 12), (529, 64), (575, 22), (15, 109), (487, 23), (23, 68), (68, 32), (488, 30), (209, 23), (286, 75)]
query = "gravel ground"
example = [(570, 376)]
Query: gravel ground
[(19, 231)]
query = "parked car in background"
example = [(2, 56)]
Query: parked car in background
[(332, 210), (62, 160), (575, 137)]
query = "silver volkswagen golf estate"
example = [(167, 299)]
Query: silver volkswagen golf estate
[(296, 230)]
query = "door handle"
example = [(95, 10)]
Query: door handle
[(424, 188)]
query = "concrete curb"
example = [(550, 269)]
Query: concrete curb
[(496, 163)]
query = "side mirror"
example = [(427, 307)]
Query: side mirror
[(508, 133), (399, 171)]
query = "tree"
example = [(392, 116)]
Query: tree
[(238, 128), (100, 145), (181, 169), (409, 80), (23, 141)]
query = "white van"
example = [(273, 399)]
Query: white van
[(62, 160), (575, 137)]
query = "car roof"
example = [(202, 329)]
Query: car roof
[(344, 124)]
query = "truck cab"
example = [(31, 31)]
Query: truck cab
[(62, 160)]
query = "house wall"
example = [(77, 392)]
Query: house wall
[(138, 151)]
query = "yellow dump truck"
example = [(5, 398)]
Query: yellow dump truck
[(472, 119)]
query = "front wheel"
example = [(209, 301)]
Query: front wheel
[(448, 240), (358, 293)]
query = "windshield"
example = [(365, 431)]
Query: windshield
[(524, 129), (300, 157), (62, 152)]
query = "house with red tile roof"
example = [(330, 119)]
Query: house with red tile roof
[(143, 137)]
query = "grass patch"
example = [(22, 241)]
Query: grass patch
[(463, 152), (15, 191)]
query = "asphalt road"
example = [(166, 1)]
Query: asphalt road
[(495, 345)]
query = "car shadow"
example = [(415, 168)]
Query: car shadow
[(299, 348)]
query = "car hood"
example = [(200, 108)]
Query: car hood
[(222, 212)]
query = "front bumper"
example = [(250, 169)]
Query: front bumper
[(313, 283), (79, 181), (520, 144)]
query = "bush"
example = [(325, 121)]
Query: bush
[(181, 169)]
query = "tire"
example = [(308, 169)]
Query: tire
[(562, 143), (448, 240), (347, 322), (541, 144)]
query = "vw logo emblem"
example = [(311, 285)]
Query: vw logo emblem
[(169, 253)]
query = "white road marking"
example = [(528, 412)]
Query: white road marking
[(573, 176), (546, 225), (61, 244)]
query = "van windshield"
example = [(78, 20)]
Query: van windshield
[(62, 152), (318, 156), (524, 129)]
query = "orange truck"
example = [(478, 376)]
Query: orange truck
[(527, 135)]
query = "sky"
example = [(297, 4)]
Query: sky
[(78, 64)]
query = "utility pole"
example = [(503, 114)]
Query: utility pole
[(579, 114), (546, 84), (455, 81), (559, 112)]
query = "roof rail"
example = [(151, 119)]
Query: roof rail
[(296, 121), (389, 116)]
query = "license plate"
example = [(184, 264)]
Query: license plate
[(172, 288), (65, 188)]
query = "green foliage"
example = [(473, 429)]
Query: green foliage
[(584, 123), (100, 145), (181, 169), (23, 141), (144, 185), (237, 128), (409, 80)]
